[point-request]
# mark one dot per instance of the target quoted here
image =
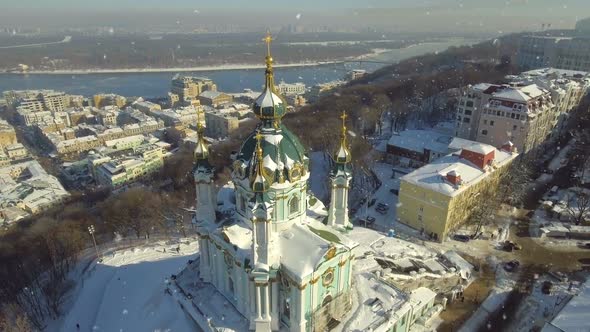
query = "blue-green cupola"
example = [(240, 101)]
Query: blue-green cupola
[(269, 107)]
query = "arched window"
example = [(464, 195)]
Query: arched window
[(287, 308), (327, 300), (294, 205)]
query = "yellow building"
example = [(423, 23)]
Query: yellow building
[(437, 198)]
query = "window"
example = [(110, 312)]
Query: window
[(484, 132), (294, 205), (485, 122), (466, 120), (514, 127), (491, 123), (512, 115), (517, 116), (469, 103), (467, 112), (287, 308)]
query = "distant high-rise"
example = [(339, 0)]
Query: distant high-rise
[(571, 52)]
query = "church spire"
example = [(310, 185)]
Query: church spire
[(270, 80), (343, 155), (202, 148), (259, 181), (269, 106)]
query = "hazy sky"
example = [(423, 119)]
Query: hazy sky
[(399, 15), (564, 5)]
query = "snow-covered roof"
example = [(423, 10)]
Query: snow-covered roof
[(419, 140), (210, 94), (481, 148), (432, 176), (574, 316)]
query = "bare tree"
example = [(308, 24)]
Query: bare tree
[(578, 205)]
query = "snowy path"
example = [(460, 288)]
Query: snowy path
[(126, 293)]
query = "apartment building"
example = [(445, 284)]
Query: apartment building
[(7, 134), (188, 88), (146, 160), (108, 99), (539, 51), (214, 98), (440, 196), (494, 114), (220, 125)]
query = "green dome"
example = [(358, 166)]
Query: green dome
[(283, 156)]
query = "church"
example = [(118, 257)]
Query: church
[(280, 258)]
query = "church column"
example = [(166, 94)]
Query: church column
[(258, 301), (267, 301), (331, 216), (298, 309), (275, 306)]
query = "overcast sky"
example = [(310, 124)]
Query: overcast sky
[(405, 15)]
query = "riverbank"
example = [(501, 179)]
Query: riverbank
[(165, 70)]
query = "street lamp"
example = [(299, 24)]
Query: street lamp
[(91, 230)]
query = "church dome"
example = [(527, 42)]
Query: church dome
[(283, 156)]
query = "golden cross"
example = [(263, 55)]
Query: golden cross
[(267, 39), (343, 117)]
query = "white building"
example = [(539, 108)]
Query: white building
[(26, 189), (290, 89)]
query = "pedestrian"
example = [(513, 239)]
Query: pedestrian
[(164, 249), (78, 326), (178, 250)]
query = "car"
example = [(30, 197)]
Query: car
[(371, 219), (394, 191), (510, 246), (511, 266), (383, 206), (585, 245), (461, 238), (547, 286), (372, 202)]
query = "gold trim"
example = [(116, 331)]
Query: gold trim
[(331, 252), (314, 280), (342, 263), (301, 287)]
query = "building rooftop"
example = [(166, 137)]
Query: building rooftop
[(574, 316), (433, 176)]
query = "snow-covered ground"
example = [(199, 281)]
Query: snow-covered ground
[(126, 292)]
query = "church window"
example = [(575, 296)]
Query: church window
[(243, 203), (287, 308), (327, 300), (328, 277), (294, 205)]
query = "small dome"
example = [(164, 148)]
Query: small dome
[(269, 105)]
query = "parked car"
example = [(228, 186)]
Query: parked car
[(372, 202), (511, 266), (381, 210), (510, 246), (585, 245), (383, 206), (461, 238), (547, 286), (394, 191)]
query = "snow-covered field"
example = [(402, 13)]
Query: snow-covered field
[(126, 292)]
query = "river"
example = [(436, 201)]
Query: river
[(157, 84)]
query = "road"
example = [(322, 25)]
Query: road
[(66, 39)]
